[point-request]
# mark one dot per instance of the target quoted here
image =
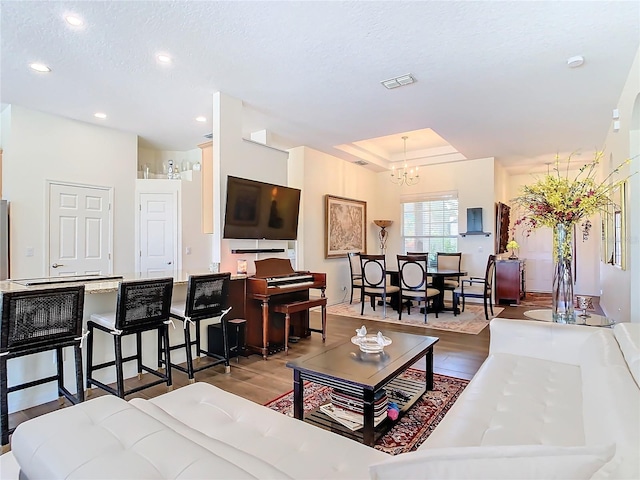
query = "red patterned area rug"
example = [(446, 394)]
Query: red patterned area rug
[(410, 431)]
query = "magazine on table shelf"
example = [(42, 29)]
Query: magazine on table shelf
[(352, 421)]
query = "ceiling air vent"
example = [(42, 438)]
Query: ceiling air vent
[(209, 136), (400, 81), (360, 162)]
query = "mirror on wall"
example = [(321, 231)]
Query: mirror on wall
[(614, 228)]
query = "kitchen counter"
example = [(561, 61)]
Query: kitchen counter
[(98, 286), (100, 296)]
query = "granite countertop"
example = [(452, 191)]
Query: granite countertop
[(100, 286)]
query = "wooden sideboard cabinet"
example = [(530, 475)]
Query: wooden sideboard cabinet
[(510, 281)]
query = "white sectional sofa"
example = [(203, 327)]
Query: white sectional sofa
[(551, 401)]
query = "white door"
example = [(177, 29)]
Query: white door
[(79, 230), (158, 235), (536, 250)]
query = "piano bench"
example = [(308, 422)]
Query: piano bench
[(294, 307)]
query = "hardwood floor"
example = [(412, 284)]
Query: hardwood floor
[(456, 354)]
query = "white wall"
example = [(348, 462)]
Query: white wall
[(319, 174), (238, 157), (40, 147), (617, 284), (43, 147)]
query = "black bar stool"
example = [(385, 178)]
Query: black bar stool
[(239, 324), (35, 321), (142, 305), (207, 297)]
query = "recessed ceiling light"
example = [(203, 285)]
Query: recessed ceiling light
[(100, 115), (74, 20), (576, 61), (163, 58), (40, 67), (201, 119)]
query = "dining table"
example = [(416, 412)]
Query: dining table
[(438, 276)]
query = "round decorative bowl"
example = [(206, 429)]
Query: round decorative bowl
[(369, 343)]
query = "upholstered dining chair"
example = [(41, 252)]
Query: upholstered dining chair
[(412, 274), (374, 282), (475, 287), (356, 272), (450, 261)]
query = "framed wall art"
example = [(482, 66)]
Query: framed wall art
[(345, 226)]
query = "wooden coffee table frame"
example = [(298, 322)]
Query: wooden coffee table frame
[(347, 369)]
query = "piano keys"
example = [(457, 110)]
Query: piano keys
[(276, 282)]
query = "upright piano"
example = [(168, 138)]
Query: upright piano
[(275, 282)]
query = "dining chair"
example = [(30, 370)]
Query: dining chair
[(449, 261), (412, 274), (356, 272), (141, 306), (374, 282), (35, 321), (475, 287)]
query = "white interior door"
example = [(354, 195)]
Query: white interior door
[(158, 232), (79, 230)]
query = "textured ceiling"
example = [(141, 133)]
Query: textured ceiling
[(491, 77)]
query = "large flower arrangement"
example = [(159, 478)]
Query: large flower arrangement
[(560, 201), (557, 198)]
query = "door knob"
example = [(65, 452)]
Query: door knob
[(169, 263), (55, 265)]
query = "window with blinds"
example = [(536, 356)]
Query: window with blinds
[(430, 224)]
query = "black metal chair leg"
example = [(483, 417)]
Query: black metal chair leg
[(78, 357), (160, 349), (139, 353), (4, 402), (187, 344), (225, 344), (89, 355), (197, 342), (167, 353), (117, 342), (60, 375)]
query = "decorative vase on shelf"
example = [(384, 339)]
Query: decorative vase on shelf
[(562, 293)]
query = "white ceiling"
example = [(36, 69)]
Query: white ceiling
[(492, 78)]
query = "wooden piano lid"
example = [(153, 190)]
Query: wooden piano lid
[(272, 267)]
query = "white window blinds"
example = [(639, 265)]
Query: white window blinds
[(430, 222)]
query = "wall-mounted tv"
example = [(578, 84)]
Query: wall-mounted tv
[(259, 210)]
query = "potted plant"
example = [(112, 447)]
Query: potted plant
[(513, 246)]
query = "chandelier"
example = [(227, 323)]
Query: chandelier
[(404, 175)]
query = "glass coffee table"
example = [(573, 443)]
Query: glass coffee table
[(345, 368), (593, 320)]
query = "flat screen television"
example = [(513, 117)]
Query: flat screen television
[(258, 210)]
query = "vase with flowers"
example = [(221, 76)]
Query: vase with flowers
[(512, 246), (560, 200)]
